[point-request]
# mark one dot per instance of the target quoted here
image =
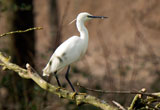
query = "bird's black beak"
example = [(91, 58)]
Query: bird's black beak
[(101, 17)]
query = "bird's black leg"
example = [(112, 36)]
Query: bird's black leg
[(67, 73), (57, 79)]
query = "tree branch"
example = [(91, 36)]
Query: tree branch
[(154, 95), (30, 73), (20, 31), (118, 105), (151, 100)]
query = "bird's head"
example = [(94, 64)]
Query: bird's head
[(84, 16)]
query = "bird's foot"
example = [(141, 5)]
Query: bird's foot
[(74, 95), (82, 93), (77, 93), (78, 102), (58, 89)]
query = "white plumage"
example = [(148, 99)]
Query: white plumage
[(72, 49), (68, 52)]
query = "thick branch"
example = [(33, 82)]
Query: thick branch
[(79, 98), (6, 64)]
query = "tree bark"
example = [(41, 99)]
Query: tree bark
[(22, 49)]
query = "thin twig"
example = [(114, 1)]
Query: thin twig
[(118, 105), (20, 31), (119, 92)]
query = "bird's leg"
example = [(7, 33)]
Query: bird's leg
[(59, 84), (67, 73)]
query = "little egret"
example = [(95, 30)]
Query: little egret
[(71, 50)]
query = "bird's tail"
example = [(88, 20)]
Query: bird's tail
[(51, 67), (46, 70)]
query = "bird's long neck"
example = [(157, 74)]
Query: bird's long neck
[(82, 29)]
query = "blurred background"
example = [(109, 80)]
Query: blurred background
[(123, 51)]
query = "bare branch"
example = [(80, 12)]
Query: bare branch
[(79, 98), (20, 31), (118, 105), (6, 64), (155, 95)]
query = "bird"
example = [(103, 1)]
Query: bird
[(70, 50)]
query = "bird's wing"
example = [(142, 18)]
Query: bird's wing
[(67, 46), (70, 50)]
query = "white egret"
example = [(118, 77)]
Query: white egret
[(71, 50)]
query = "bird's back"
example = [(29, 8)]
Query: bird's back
[(70, 50)]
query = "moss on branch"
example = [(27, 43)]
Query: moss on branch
[(30, 73), (20, 31)]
